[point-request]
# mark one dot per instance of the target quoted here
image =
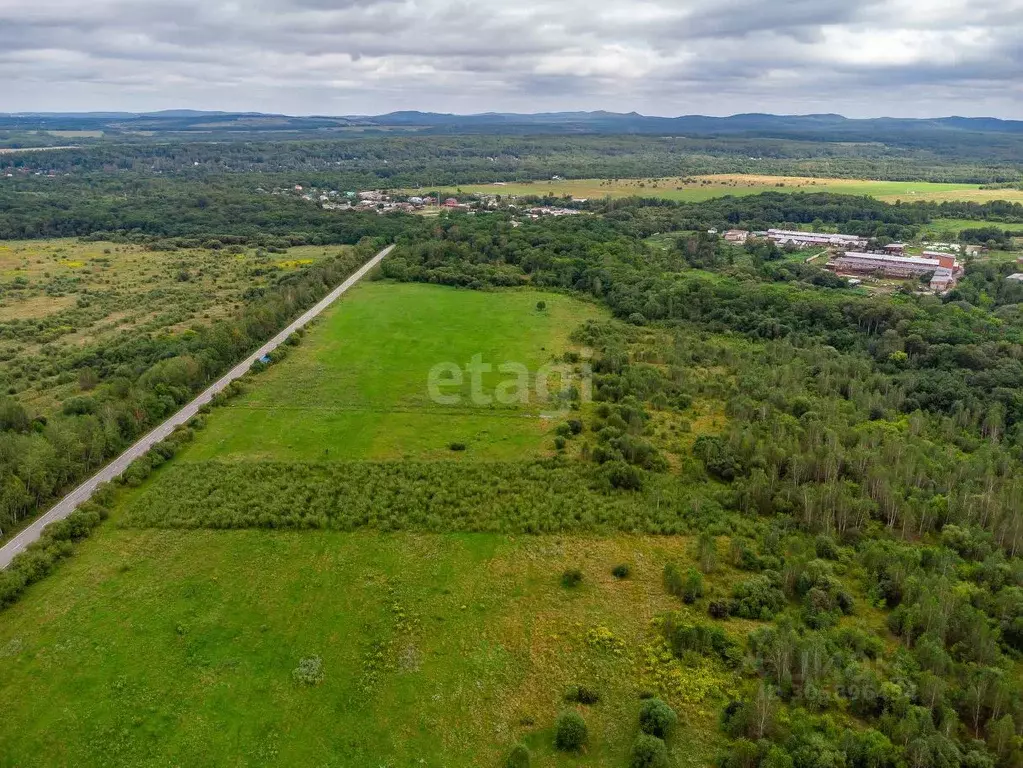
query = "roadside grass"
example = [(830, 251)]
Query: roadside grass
[(699, 188), (155, 647), (357, 386)]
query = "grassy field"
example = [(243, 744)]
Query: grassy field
[(697, 188), (83, 294), (955, 226), (157, 647), (163, 647), (357, 388)]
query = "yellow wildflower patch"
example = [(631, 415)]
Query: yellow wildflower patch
[(602, 638), (686, 683)]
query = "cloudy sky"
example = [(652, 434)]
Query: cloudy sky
[(860, 58)]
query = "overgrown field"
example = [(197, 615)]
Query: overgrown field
[(359, 386), (514, 496), (698, 188), (61, 298)]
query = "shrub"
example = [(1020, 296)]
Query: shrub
[(718, 609), (571, 577), (621, 571), (674, 582), (649, 752), (757, 598), (826, 548), (692, 586), (580, 694), (309, 671), (656, 718), (518, 757), (137, 471), (699, 638), (622, 476), (718, 458), (707, 552), (744, 556), (570, 734), (457, 446), (560, 443)]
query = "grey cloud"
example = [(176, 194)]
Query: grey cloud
[(908, 57)]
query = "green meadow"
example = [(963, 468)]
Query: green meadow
[(358, 386), (179, 648), (955, 226)]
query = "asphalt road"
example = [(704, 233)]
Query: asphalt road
[(67, 505)]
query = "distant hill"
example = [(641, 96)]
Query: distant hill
[(820, 127), (753, 124)]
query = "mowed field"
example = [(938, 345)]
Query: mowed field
[(171, 647), (698, 188), (358, 387)]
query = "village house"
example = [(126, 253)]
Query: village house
[(942, 279)]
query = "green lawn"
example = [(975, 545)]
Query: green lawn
[(357, 387)]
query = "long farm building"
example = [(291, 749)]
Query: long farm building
[(943, 267), (809, 239)]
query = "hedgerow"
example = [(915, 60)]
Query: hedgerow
[(523, 497), (56, 542), (42, 556)]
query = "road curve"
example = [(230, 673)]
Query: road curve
[(67, 505)]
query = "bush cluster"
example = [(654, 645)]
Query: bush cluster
[(524, 497), (570, 732)]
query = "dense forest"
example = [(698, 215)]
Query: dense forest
[(403, 161)]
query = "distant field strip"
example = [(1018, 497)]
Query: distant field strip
[(699, 188)]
